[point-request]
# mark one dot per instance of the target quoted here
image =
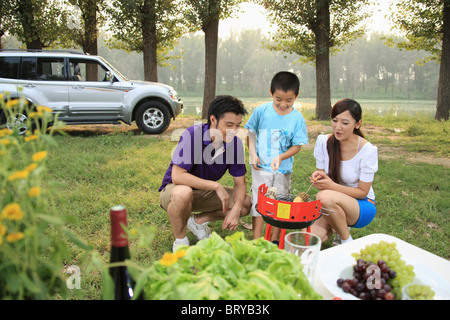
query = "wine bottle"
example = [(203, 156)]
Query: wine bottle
[(123, 283)]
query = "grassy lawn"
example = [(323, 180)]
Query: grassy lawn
[(90, 171)]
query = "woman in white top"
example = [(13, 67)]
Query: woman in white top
[(346, 164)]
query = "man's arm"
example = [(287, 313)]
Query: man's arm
[(231, 220), (181, 176)]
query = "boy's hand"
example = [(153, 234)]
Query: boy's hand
[(275, 165), (256, 165)]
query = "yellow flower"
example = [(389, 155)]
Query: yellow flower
[(2, 229), (36, 114), (11, 103), (168, 259), (180, 253), (31, 138), (5, 132), (5, 142), (18, 175), (2, 152), (12, 237), (34, 192), (43, 109), (31, 167), (38, 156), (12, 211)]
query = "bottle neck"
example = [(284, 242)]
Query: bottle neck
[(118, 236)]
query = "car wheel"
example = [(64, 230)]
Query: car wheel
[(152, 117), (19, 123)]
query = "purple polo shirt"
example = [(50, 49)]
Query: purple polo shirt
[(197, 155)]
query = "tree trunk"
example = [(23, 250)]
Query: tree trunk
[(211, 31), (31, 35), (322, 33), (150, 57), (443, 99), (150, 45), (90, 37)]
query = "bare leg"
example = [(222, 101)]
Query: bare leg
[(219, 215), (179, 209), (257, 226), (322, 229), (345, 211)]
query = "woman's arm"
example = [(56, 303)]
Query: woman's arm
[(323, 182)]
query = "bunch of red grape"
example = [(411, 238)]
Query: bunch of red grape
[(389, 253), (369, 281)]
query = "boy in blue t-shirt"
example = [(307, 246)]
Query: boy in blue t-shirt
[(276, 132)]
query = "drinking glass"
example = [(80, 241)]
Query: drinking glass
[(307, 246)]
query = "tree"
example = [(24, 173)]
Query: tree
[(37, 23), (84, 33), (205, 15), (147, 26), (426, 25), (314, 29)]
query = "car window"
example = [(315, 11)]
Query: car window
[(44, 69), (9, 67), (28, 70), (86, 70), (50, 69)]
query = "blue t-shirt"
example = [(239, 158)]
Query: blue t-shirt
[(196, 154), (275, 134)]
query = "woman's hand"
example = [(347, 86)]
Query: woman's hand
[(321, 180)]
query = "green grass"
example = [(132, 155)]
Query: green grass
[(89, 173)]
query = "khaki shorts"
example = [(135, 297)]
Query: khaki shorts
[(204, 200)]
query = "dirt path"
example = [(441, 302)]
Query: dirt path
[(176, 128)]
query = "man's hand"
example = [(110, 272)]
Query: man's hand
[(231, 220)]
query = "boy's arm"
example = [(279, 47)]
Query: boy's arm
[(251, 142), (292, 151)]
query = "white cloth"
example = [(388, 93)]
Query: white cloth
[(361, 167), (278, 180)]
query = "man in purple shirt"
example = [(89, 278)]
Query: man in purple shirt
[(203, 155)]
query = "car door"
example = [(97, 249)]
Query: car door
[(92, 97), (44, 81)]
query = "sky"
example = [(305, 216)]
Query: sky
[(253, 17)]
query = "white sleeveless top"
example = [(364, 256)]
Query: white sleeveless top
[(361, 167)]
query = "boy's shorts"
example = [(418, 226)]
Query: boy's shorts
[(281, 181), (367, 211), (204, 200)]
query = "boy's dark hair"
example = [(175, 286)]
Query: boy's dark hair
[(285, 80), (223, 104)]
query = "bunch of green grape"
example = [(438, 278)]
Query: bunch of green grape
[(389, 253), (420, 292)]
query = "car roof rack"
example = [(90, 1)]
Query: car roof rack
[(43, 50)]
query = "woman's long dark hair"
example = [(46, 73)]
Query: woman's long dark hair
[(333, 145)]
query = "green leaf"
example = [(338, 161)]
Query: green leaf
[(107, 285), (76, 240)]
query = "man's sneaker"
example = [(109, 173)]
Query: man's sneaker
[(201, 231), (178, 242)]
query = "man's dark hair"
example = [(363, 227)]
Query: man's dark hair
[(223, 104), (285, 80)]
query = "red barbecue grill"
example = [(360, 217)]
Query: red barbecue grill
[(285, 214)]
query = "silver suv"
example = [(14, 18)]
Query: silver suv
[(84, 89)]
